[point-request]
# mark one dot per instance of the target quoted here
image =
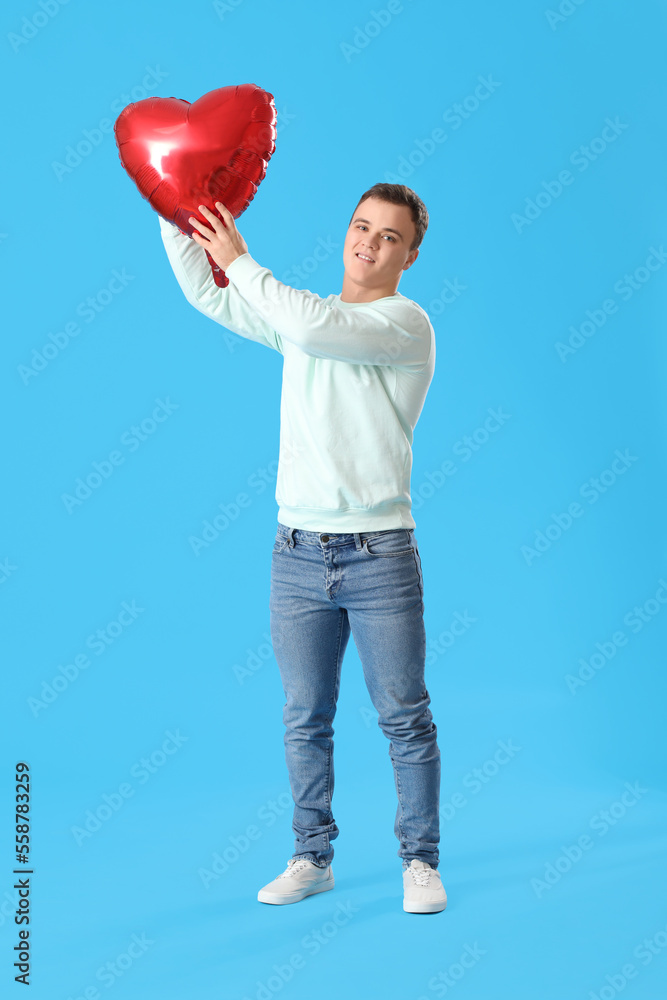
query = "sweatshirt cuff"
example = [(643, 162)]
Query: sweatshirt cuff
[(243, 267)]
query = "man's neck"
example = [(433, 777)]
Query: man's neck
[(352, 292)]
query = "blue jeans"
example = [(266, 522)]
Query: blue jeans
[(324, 586)]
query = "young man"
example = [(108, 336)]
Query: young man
[(356, 369)]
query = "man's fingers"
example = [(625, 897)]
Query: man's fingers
[(209, 215), (203, 233), (227, 216)]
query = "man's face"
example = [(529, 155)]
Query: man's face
[(382, 231)]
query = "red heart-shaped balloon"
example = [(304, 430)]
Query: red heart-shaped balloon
[(182, 155)]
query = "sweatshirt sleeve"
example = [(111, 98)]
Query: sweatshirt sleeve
[(226, 306), (384, 332)]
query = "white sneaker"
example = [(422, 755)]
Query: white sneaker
[(423, 892), (300, 878)]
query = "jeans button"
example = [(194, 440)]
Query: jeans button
[(324, 538)]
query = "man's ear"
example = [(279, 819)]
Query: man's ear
[(412, 257)]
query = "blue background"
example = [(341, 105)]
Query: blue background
[(356, 105)]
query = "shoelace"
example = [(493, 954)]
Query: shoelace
[(293, 866), (421, 876)]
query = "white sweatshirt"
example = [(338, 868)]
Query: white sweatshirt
[(355, 376)]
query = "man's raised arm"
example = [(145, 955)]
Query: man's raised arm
[(387, 331), (226, 306)]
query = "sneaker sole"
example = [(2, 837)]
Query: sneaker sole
[(433, 906), (294, 897)]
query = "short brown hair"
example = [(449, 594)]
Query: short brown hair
[(399, 194)]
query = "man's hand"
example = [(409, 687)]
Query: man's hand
[(223, 242)]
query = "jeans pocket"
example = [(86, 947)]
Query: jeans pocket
[(280, 543), (397, 542)]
